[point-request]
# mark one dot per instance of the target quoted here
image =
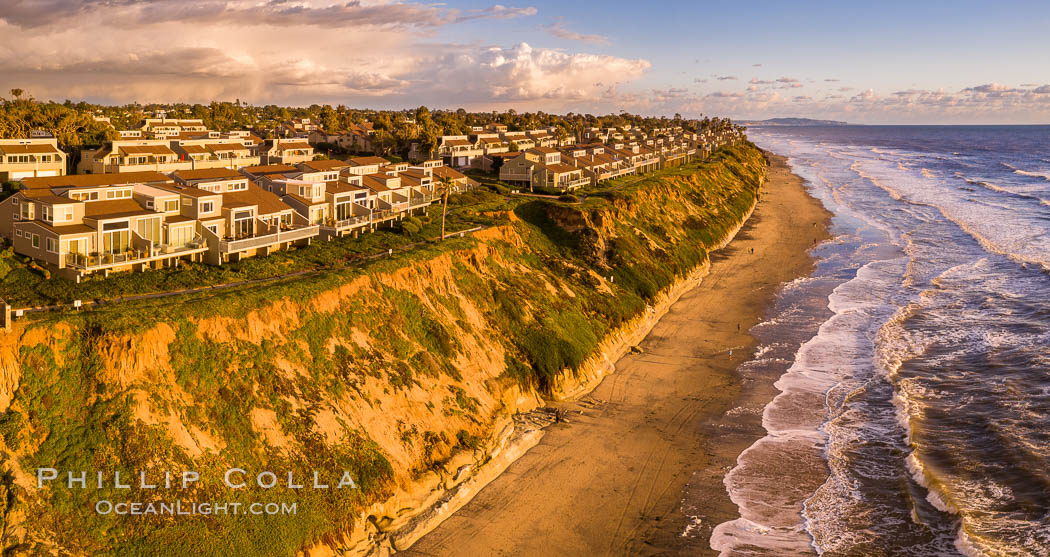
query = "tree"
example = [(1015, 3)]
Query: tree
[(447, 184)]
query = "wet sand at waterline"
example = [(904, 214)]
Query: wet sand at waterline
[(611, 479)]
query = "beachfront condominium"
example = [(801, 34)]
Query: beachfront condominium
[(27, 158)]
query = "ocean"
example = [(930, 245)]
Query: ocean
[(914, 364)]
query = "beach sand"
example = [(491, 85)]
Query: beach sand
[(610, 481)]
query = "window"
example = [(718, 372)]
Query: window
[(243, 224), (36, 241), (46, 213), (171, 205), (237, 186), (179, 236), (118, 194), (149, 229), (116, 237), (206, 207), (18, 233), (52, 245), (65, 214)]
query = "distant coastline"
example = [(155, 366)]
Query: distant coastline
[(793, 122)]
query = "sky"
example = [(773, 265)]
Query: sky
[(887, 62)]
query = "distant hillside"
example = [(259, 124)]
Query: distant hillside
[(793, 122)]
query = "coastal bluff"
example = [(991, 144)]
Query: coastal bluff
[(411, 373)]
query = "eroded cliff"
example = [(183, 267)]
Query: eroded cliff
[(405, 372)]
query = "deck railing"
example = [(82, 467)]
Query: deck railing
[(290, 235)]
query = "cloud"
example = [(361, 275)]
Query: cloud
[(756, 65), (724, 95), (726, 77), (524, 73), (370, 62), (52, 13), (831, 80), (670, 95), (980, 103), (994, 89), (558, 30), (496, 12), (699, 80)]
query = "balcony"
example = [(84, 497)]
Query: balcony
[(574, 183), (279, 237), (344, 224), (422, 200), (99, 261)]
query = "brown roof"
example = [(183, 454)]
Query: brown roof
[(456, 142), (113, 209), (544, 150), (560, 167), (207, 174), (305, 201), (193, 148), (366, 161), (291, 145), (146, 150), (321, 165), (176, 219), (341, 187), (507, 156), (266, 169), (224, 147), (26, 149), (96, 180), (377, 182), (412, 173), (267, 202), (45, 196), (64, 229), (446, 172)]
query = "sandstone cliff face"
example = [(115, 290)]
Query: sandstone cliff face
[(405, 373)]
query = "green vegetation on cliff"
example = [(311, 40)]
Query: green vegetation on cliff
[(395, 369)]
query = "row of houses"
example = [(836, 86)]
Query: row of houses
[(356, 138), (41, 157), (136, 220), (600, 154), (576, 166)]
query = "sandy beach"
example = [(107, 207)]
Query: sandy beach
[(610, 481)]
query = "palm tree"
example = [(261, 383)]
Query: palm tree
[(446, 184)]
